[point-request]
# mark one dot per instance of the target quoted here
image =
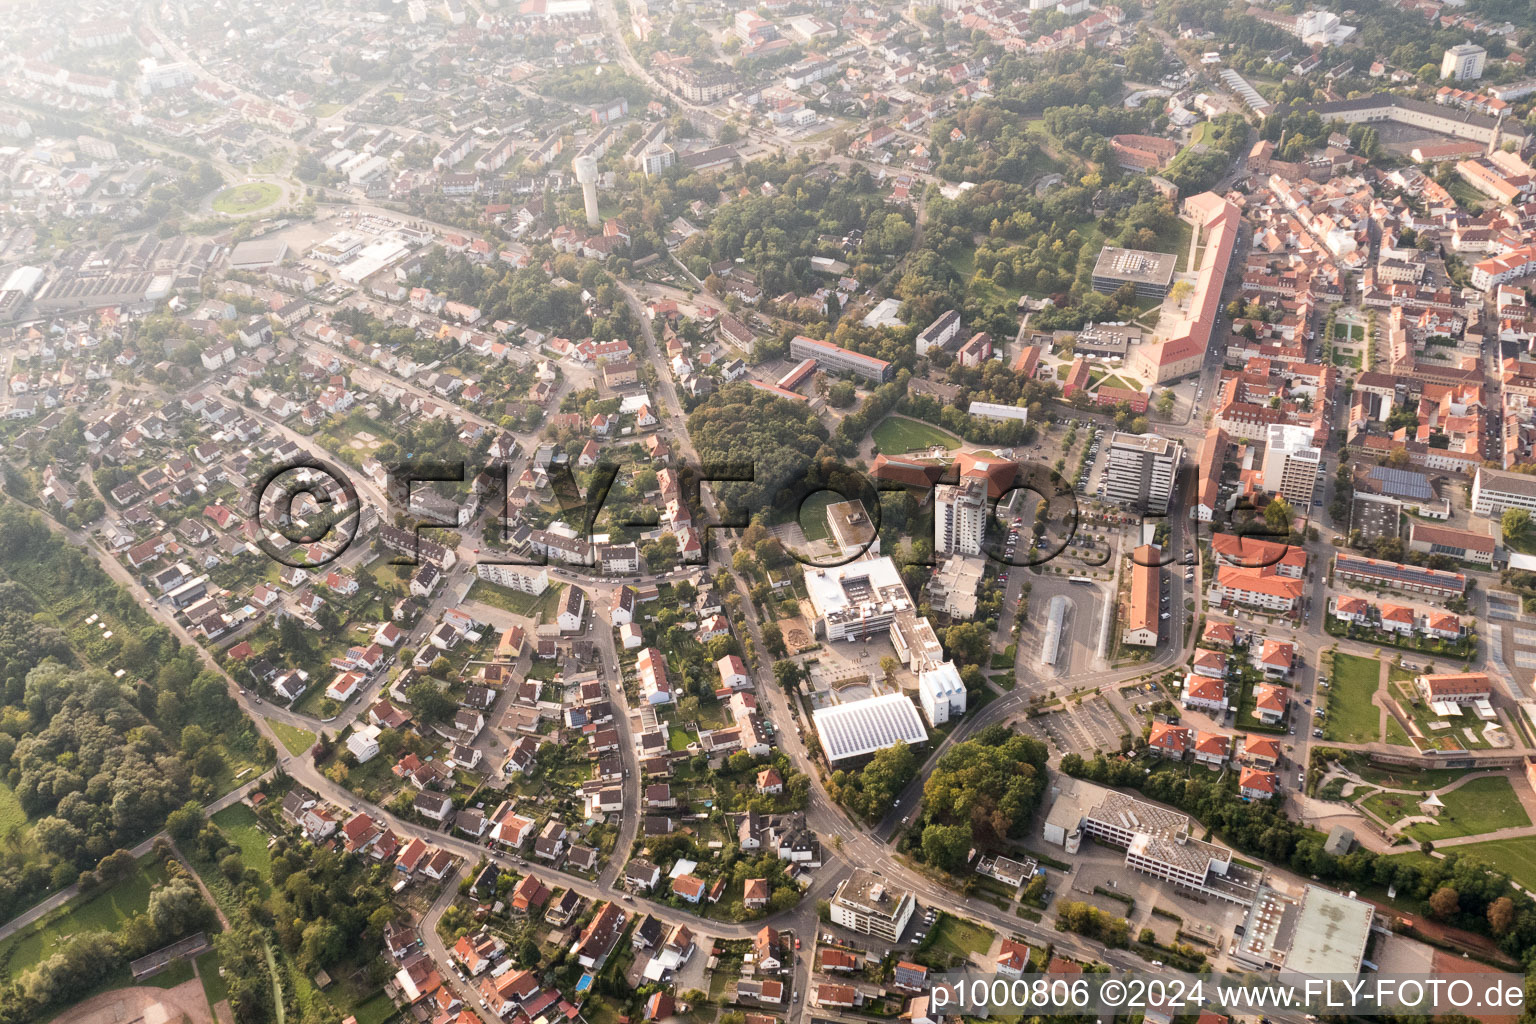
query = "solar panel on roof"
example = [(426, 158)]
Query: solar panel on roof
[(1402, 483)]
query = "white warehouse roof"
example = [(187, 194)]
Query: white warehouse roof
[(864, 726)]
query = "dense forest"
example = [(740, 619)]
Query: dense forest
[(775, 232), (775, 438), (982, 792), (96, 761)]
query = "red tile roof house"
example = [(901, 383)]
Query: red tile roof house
[(838, 960), (1398, 618), (1219, 634), (359, 833), (1443, 625), (836, 995), (1277, 657), (1257, 784), (1457, 688), (1210, 663), (1269, 703), (1261, 750), (1211, 748), (1205, 693), (1012, 959), (688, 887), (1347, 608), (1168, 740)]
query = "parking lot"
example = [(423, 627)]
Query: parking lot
[(1078, 727)]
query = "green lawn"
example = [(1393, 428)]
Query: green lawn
[(375, 1010), (813, 514), (1352, 718), (213, 983), (295, 739), (105, 911), (1403, 778), (242, 199), (1396, 734), (1109, 380), (11, 814), (1515, 857), (540, 609), (1390, 807), (959, 937), (1482, 805), (239, 824), (1176, 240), (896, 434)]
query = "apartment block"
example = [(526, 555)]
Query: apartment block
[(1141, 472)]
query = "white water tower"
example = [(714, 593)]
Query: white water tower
[(586, 174)]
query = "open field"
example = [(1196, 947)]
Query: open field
[(296, 740), (1482, 805), (1514, 857), (898, 434), (539, 609), (1390, 807), (1352, 718), (239, 824), (105, 911), (242, 199), (959, 937)]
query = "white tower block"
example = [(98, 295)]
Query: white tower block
[(586, 174)]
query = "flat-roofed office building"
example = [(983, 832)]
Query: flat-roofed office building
[(1150, 273), (1141, 471)]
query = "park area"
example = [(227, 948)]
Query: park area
[(1480, 805), (1514, 857), (1352, 718), (1476, 807), (104, 912), (238, 200), (897, 434)]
